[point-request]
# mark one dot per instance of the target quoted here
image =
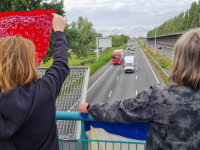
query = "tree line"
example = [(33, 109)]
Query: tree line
[(119, 40), (183, 22)]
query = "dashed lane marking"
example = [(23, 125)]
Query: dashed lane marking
[(110, 94), (117, 77)]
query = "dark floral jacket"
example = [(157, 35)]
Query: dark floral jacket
[(173, 114)]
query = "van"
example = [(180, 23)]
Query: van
[(129, 64)]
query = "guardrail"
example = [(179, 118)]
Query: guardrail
[(88, 144)]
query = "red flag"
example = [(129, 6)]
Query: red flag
[(34, 25)]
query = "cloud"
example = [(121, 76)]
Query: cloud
[(118, 5), (131, 17)]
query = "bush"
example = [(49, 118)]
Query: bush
[(86, 61), (90, 53)]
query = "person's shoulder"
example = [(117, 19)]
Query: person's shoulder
[(159, 93), (159, 86)]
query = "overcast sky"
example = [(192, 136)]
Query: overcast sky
[(130, 17)]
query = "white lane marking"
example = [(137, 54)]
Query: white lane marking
[(136, 68), (98, 79), (150, 67), (136, 63), (110, 94), (117, 77), (136, 77), (136, 92), (122, 69)]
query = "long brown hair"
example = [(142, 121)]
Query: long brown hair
[(186, 65), (17, 62)]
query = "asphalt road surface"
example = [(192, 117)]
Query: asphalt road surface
[(164, 50), (115, 85)]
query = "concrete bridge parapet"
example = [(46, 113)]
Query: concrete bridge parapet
[(166, 40)]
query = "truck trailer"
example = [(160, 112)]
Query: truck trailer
[(129, 64)]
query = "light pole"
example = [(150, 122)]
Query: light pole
[(146, 34), (155, 29)]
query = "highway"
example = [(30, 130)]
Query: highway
[(115, 85)]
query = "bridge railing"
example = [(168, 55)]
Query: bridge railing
[(72, 94), (89, 144)]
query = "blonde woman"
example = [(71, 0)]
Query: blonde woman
[(173, 112), (27, 104)]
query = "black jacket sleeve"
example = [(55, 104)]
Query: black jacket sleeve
[(134, 109), (57, 73)]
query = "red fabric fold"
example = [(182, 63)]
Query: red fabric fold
[(35, 25)]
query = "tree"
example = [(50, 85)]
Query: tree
[(82, 33), (119, 40), (20, 5), (192, 16), (93, 42)]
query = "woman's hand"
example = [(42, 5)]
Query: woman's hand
[(59, 23), (83, 108)]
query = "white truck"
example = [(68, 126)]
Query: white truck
[(129, 64)]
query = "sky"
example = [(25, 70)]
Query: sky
[(130, 17)]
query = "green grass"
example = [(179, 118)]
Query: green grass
[(72, 62), (104, 57)]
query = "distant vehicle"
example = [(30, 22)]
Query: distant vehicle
[(159, 47), (117, 57), (132, 52), (129, 65), (128, 48)]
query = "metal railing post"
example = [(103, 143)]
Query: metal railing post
[(83, 135)]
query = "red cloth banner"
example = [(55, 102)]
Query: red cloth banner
[(34, 25)]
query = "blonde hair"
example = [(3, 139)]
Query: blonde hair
[(17, 62), (186, 65)]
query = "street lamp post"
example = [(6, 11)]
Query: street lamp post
[(145, 29), (155, 29)]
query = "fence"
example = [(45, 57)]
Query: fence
[(73, 93), (88, 144)]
